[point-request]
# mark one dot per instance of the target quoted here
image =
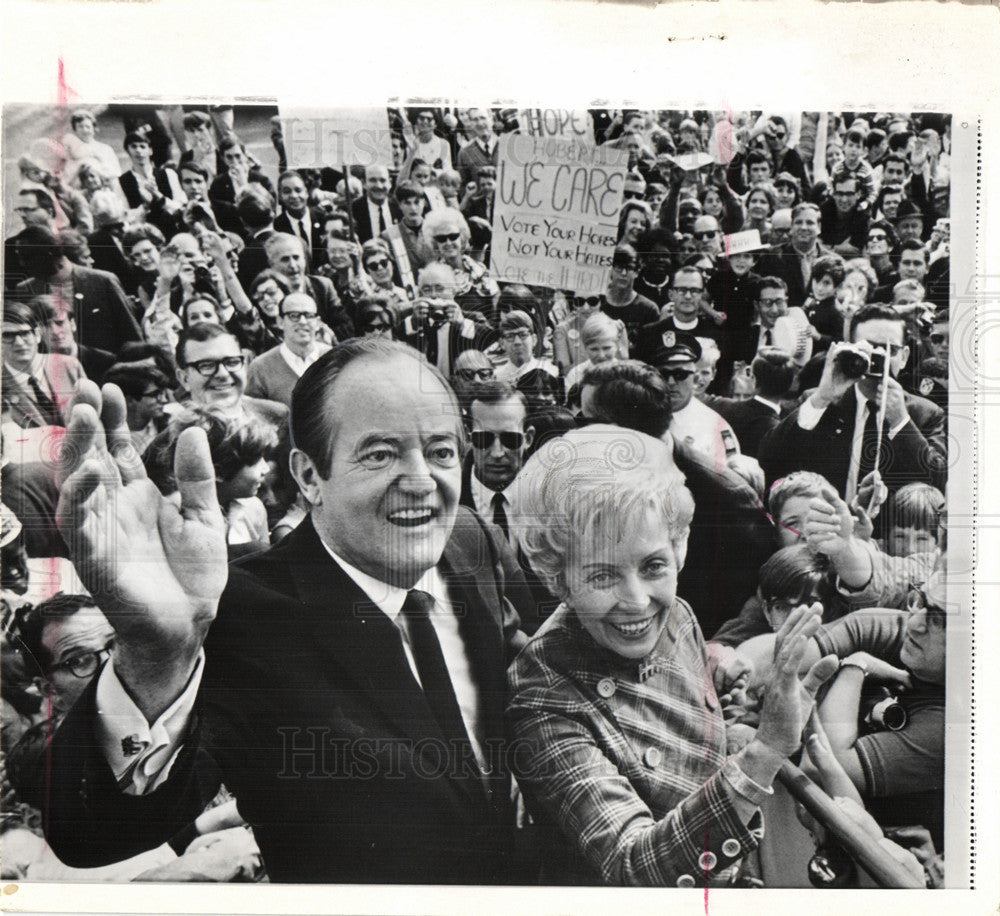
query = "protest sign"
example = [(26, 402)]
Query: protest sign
[(317, 137), (557, 122), (556, 215)]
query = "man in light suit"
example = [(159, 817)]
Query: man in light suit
[(835, 431), (351, 689), (36, 386), (104, 318)]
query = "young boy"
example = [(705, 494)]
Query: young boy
[(856, 166)]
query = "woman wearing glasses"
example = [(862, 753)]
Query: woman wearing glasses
[(377, 262), (445, 234)]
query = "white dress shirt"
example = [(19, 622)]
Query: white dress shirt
[(373, 214), (810, 415), (299, 364), (141, 754)]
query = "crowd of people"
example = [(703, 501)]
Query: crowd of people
[(328, 557)]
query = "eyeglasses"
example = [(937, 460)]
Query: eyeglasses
[(157, 394), (299, 316), (767, 303), (633, 195), (622, 269), (677, 375), (878, 237), (468, 375), (13, 336), (448, 237), (707, 234), (209, 367), (937, 338), (85, 665), (483, 439), (516, 335), (686, 291), (266, 293), (377, 265)]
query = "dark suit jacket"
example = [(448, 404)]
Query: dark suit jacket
[(310, 713), (109, 257), (750, 419), (329, 307), (19, 402), (535, 602), (283, 223), (362, 218), (918, 453), (471, 158), (783, 262), (104, 317), (253, 259)]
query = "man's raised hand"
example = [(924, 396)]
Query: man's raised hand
[(156, 568)]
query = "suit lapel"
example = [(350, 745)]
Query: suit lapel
[(21, 400)]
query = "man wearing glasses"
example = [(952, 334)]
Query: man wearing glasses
[(845, 218), (708, 236), (621, 301), (687, 295), (273, 374), (519, 341), (694, 422), (35, 207), (212, 368)]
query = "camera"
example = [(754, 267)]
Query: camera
[(886, 713), (855, 362)]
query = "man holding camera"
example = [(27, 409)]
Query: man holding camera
[(860, 415), (438, 327)]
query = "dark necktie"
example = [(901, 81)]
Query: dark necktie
[(302, 230), (381, 221), (433, 671), (500, 514), (46, 406), (869, 444)]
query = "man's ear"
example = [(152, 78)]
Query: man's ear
[(306, 475), (529, 436)]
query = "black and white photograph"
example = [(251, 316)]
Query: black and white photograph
[(459, 493)]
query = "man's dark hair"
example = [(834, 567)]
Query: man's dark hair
[(548, 423), (231, 142), (495, 391), (486, 171), (42, 199), (874, 138), (914, 245), (875, 313), (632, 394), (312, 424), (32, 622), (19, 313), (200, 333), (255, 206), (288, 176), (196, 167), (769, 282), (756, 157), (134, 379), (625, 253), (895, 157), (408, 190), (805, 206), (655, 237), (899, 141), (774, 371), (855, 136)]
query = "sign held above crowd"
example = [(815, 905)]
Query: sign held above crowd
[(556, 217)]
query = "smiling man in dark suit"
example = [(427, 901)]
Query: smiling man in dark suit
[(351, 688), (298, 218), (375, 211)]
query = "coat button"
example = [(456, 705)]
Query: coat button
[(707, 861), (685, 881), (606, 687), (652, 757), (731, 848)]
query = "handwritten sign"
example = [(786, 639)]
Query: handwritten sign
[(557, 122), (555, 221), (317, 137)]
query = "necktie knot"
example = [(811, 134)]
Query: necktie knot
[(418, 605)]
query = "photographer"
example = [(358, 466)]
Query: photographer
[(438, 327), (860, 410)]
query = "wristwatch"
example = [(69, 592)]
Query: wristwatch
[(851, 662)]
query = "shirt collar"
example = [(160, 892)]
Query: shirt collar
[(775, 407), (34, 371), (482, 495), (388, 598)]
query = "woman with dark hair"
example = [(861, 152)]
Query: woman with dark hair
[(759, 208)]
